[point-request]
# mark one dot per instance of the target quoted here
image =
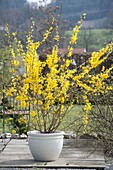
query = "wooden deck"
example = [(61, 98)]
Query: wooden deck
[(16, 154)]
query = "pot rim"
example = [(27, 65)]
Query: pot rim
[(36, 132)]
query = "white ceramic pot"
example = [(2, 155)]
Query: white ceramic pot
[(45, 146)]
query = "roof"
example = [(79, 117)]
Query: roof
[(75, 50)]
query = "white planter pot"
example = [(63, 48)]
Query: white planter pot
[(45, 146)]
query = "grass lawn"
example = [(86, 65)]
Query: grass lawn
[(94, 39), (71, 121), (74, 119)]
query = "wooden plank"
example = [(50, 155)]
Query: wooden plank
[(16, 112), (3, 143), (17, 154)]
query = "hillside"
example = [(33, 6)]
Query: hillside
[(97, 11)]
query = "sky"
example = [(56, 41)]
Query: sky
[(46, 1)]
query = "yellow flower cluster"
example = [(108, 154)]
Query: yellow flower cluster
[(74, 36), (33, 113), (48, 91)]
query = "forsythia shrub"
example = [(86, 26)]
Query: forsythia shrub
[(48, 92)]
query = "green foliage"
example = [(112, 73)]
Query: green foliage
[(18, 124)]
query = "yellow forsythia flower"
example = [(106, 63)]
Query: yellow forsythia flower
[(15, 62), (33, 113), (40, 102), (85, 119), (87, 106), (13, 131)]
